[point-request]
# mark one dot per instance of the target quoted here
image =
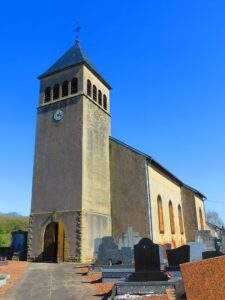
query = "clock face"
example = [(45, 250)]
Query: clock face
[(58, 115)]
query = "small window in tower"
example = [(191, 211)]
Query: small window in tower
[(105, 102), (74, 85), (89, 87), (65, 88), (56, 91), (100, 97), (47, 95), (94, 93)]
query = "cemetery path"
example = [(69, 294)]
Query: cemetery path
[(46, 281)]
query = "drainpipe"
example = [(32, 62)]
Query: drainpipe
[(148, 201)]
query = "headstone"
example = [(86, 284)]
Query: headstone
[(129, 238), (147, 262), (108, 252), (146, 256), (148, 278), (204, 279), (222, 246), (19, 245), (211, 254), (204, 237), (127, 256), (196, 250), (178, 256)]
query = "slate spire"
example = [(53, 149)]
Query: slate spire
[(74, 56)]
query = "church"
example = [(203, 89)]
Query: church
[(87, 184)]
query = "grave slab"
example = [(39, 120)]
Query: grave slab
[(211, 254), (204, 279), (148, 287), (115, 274)]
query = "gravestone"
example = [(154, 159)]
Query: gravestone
[(211, 254), (147, 262), (146, 256), (204, 279), (108, 252), (178, 256), (196, 250), (222, 246), (127, 256), (147, 278), (129, 238), (204, 237), (19, 245)]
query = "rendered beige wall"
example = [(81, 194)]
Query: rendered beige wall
[(87, 74), (162, 185), (199, 203), (96, 205)]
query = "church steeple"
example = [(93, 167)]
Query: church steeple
[(71, 182), (74, 56)]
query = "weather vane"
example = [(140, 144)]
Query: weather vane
[(77, 30)]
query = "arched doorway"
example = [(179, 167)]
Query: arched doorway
[(54, 242)]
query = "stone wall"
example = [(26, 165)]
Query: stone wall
[(96, 205), (189, 213), (57, 180), (129, 195), (72, 228)]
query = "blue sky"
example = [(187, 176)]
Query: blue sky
[(165, 61)]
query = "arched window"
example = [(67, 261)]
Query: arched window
[(171, 214), (65, 88), (160, 215), (100, 97), (47, 97), (94, 93), (74, 85), (56, 91), (89, 87), (181, 224), (104, 102), (201, 219)]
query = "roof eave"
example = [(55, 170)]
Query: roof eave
[(162, 168), (45, 75)]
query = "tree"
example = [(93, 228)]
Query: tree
[(213, 217)]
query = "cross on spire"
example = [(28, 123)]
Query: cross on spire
[(77, 30)]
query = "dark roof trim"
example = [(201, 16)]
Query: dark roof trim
[(158, 165)]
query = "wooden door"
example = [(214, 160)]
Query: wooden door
[(60, 246)]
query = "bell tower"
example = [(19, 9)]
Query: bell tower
[(71, 183)]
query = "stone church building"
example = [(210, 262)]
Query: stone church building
[(87, 184)]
